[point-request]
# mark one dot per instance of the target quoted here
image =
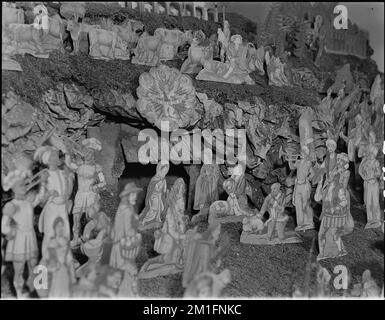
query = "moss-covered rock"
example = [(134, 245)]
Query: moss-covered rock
[(98, 77)]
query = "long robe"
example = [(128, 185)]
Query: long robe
[(155, 201), (124, 226), (206, 187)]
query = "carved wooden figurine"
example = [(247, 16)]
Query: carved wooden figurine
[(17, 225), (370, 171), (155, 202)]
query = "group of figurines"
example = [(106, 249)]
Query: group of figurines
[(222, 57), (111, 247), (180, 249)]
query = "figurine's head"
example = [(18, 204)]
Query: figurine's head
[(17, 181), (275, 189), (130, 193), (58, 227), (236, 39), (48, 156), (91, 145), (162, 168), (331, 145)]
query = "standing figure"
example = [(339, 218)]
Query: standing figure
[(206, 187), (340, 174), (370, 171), (155, 202), (90, 180), (274, 204), (17, 225), (125, 224), (302, 190), (236, 55), (59, 189), (241, 188), (169, 241), (333, 220), (59, 262), (224, 39)]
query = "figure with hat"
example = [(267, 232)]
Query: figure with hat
[(370, 171), (59, 188), (302, 190), (90, 180), (155, 202), (125, 224), (17, 225), (126, 240)]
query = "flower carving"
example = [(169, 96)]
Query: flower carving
[(165, 94)]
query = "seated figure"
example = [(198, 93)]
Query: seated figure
[(235, 70)]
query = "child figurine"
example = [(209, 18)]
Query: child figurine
[(17, 225), (90, 180), (370, 171)]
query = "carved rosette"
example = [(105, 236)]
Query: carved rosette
[(165, 94)]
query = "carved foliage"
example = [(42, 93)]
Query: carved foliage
[(165, 94)]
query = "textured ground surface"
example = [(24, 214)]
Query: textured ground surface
[(263, 271)]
